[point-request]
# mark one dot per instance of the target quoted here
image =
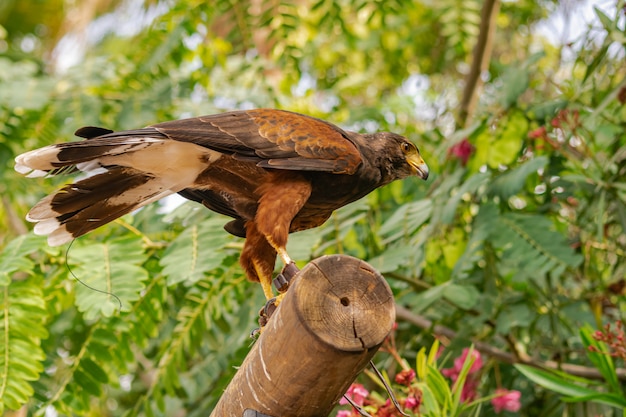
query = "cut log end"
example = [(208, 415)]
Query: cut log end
[(334, 317), (345, 303)]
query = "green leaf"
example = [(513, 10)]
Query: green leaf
[(559, 382), (457, 387), (392, 258), (111, 274), (469, 186), (463, 296), (94, 370), (14, 257), (21, 355), (546, 110), (194, 252), (597, 60), (613, 400), (606, 21), (512, 316), (439, 386), (485, 223), (423, 300), (600, 358), (532, 248), (87, 383), (512, 181), (502, 145), (515, 81), (406, 220)]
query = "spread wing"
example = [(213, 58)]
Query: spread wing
[(271, 138)]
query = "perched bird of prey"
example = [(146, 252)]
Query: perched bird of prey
[(273, 171)]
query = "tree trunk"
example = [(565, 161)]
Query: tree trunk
[(480, 62), (334, 317)]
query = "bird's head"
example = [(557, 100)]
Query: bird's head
[(399, 155)]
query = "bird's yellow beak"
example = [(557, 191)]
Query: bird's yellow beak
[(418, 164)]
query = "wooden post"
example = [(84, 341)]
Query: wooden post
[(334, 317)]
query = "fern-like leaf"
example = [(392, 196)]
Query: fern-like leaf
[(112, 273), (532, 247), (460, 22), (22, 318), (483, 226), (14, 257), (511, 182), (405, 221), (195, 251)]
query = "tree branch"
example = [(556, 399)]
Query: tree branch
[(480, 63), (577, 370)]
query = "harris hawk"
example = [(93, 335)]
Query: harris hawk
[(272, 171)]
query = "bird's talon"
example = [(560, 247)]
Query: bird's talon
[(281, 283), (269, 308), (255, 333), (289, 271)]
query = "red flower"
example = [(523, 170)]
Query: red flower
[(387, 410), (462, 151), (405, 377), (540, 132), (506, 400), (571, 118)]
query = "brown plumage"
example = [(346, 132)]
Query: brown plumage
[(274, 172)]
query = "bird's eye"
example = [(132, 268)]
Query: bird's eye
[(406, 147)]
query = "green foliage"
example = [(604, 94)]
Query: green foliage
[(576, 389), (22, 319), (516, 241), (111, 276), (185, 258), (530, 249)]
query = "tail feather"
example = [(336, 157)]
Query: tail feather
[(83, 155), (90, 203), (127, 171), (88, 192)]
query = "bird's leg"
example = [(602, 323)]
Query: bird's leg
[(265, 281), (258, 258), (282, 280), (290, 269), (274, 216)]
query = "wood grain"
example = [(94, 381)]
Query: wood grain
[(331, 322)]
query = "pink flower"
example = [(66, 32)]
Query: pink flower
[(405, 377), (344, 413), (412, 403), (356, 393), (453, 373), (506, 400), (478, 361), (469, 390), (461, 150)]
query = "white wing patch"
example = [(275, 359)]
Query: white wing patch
[(162, 167)]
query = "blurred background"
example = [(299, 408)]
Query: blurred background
[(516, 243)]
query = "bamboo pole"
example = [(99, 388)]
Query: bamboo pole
[(334, 317)]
